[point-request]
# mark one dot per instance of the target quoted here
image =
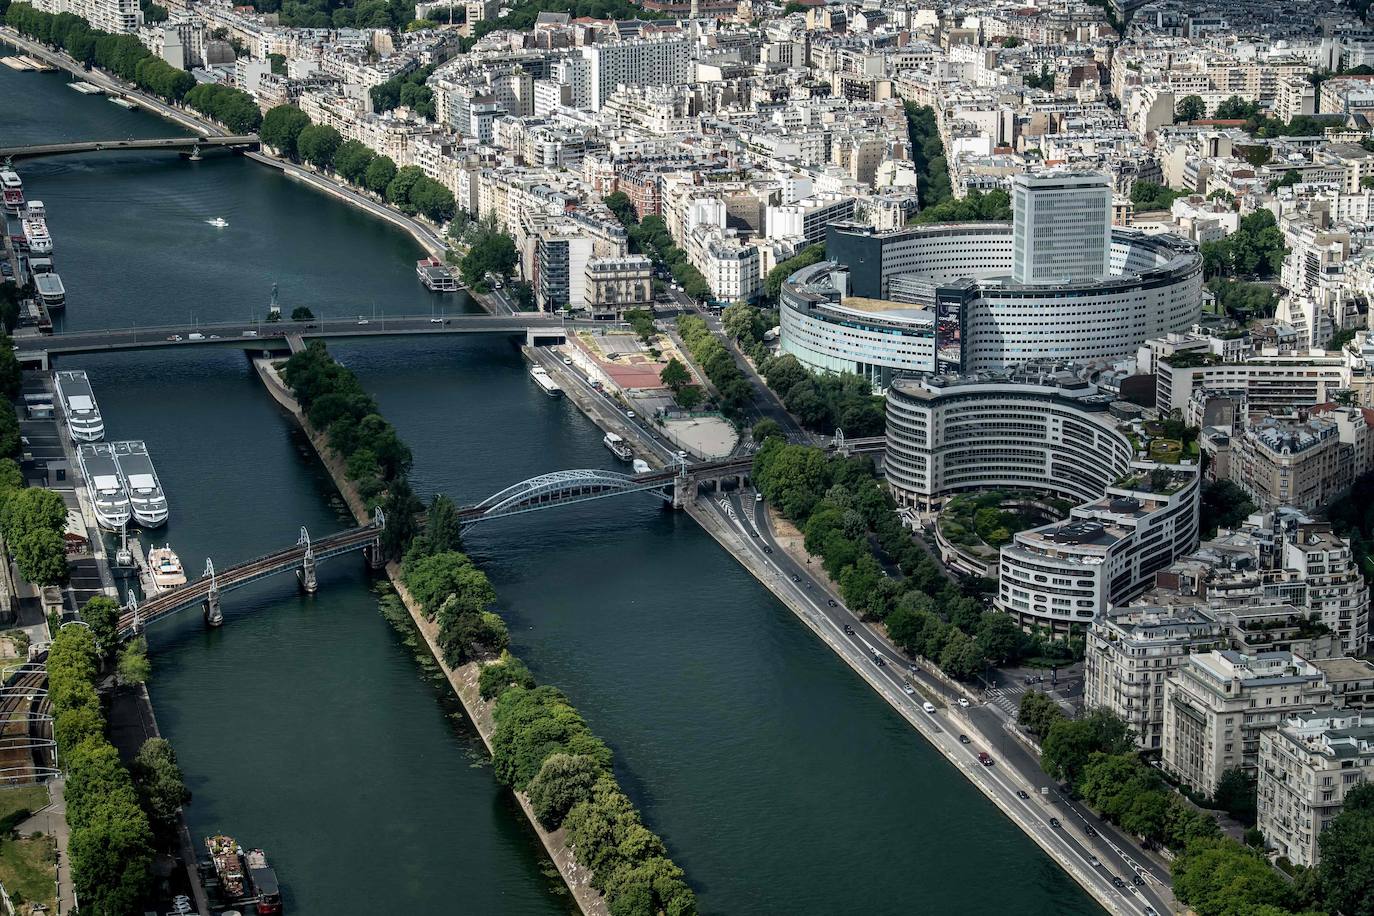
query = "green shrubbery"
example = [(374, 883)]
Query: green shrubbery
[(543, 747)]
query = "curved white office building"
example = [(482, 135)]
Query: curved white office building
[(1050, 433), (829, 330), (964, 273)]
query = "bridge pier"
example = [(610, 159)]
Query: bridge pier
[(372, 553), (214, 617), (307, 575)]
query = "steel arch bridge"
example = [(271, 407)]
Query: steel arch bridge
[(563, 488)]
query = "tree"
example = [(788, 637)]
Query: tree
[(562, 781), (398, 191), (379, 174), (675, 375), (1071, 742), (102, 616), (1236, 109), (133, 667), (741, 321), (1346, 872), (1236, 795), (351, 160), (301, 313), (690, 397), (766, 428), (1222, 505), (161, 786), (401, 507), (1189, 108), (960, 657), (1146, 195), (508, 671), (1000, 638), (317, 145), (1220, 877), (442, 525), (41, 556), (492, 253), (281, 127)]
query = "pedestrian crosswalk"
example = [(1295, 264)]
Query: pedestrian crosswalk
[(998, 697)]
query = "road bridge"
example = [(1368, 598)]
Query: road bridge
[(193, 145), (537, 328)]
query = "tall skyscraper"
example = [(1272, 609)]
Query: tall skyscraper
[(1061, 227)]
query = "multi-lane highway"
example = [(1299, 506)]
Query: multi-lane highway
[(1095, 854)]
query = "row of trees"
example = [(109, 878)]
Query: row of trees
[(374, 457), (716, 361), (973, 207), (543, 747), (928, 155), (849, 521), (288, 130), (339, 14), (1256, 248), (123, 55), (111, 846), (32, 520), (825, 402), (233, 108), (491, 253), (522, 15), (651, 237)]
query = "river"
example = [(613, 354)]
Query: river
[(780, 781)]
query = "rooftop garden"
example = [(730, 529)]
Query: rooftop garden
[(990, 519), (1159, 481)]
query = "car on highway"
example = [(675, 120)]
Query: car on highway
[(963, 701), (1022, 794), (1117, 882), (908, 689), (796, 578), (436, 321), (878, 660), (363, 321), (567, 360), (174, 337), (758, 497), (848, 630), (250, 334), (629, 414), (832, 602), (965, 739), (1151, 911), (929, 707), (767, 549), (1054, 822), (1089, 830), (985, 758), (1137, 880), (1093, 861)]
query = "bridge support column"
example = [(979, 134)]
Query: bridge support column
[(374, 556), (309, 579), (716, 484), (214, 617), (681, 492)]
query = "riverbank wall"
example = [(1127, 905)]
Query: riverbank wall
[(462, 679), (424, 236)]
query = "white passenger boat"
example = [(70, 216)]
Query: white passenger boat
[(146, 499), (618, 446), (542, 379), (78, 404), (104, 485), (164, 566), (11, 190), (50, 289)]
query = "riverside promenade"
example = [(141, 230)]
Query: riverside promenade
[(462, 679)]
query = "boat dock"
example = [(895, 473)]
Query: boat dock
[(85, 88), (26, 63)]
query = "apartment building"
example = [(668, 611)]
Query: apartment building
[(1304, 464), (1132, 651), (616, 285), (634, 62), (1306, 767), (1218, 703)]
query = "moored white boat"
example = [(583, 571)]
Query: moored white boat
[(542, 379), (78, 404), (146, 499), (104, 485)]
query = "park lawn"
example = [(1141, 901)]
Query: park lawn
[(30, 797), (26, 869)]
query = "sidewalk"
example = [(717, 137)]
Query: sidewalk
[(52, 820)]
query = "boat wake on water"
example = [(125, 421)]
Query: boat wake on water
[(218, 222)]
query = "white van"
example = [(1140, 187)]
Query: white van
[(929, 708)]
